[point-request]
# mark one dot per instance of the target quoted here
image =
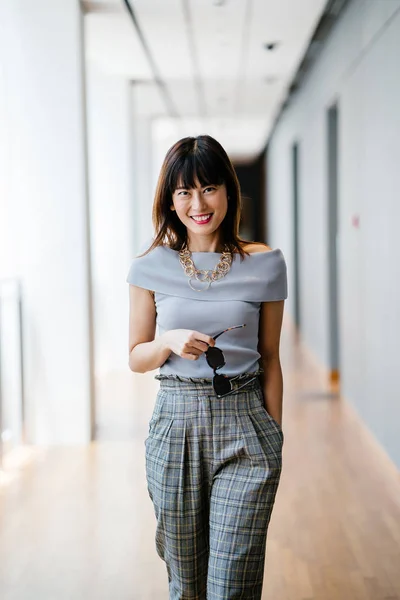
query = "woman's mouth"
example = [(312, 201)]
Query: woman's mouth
[(202, 219)]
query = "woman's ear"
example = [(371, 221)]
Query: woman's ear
[(172, 207)]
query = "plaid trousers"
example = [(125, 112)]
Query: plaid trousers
[(212, 467)]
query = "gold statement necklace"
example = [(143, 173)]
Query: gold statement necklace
[(205, 276)]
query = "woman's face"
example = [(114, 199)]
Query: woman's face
[(209, 202)]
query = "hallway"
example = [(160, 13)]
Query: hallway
[(76, 522)]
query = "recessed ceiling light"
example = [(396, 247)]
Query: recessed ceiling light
[(271, 45), (219, 2)]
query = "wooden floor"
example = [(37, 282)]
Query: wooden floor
[(77, 523)]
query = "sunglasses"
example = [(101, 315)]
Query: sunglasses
[(215, 358)]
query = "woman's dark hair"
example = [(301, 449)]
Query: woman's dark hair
[(192, 158)]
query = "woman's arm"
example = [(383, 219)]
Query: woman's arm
[(145, 352), (271, 316)]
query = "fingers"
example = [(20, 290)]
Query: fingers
[(196, 346), (193, 350), (190, 356), (205, 340)]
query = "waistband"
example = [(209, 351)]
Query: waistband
[(204, 384)]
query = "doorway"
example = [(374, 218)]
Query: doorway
[(296, 226), (332, 154)]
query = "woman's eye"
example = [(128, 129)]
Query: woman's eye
[(209, 188), (183, 192)]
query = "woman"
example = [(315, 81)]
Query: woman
[(214, 449)]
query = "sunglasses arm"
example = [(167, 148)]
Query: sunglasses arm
[(229, 329), (236, 389)]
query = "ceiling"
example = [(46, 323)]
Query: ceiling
[(209, 70)]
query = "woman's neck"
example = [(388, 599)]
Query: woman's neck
[(205, 245)]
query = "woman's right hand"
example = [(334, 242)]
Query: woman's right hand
[(187, 343)]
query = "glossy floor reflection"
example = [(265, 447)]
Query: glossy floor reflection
[(76, 522)]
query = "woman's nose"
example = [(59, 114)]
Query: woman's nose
[(197, 199)]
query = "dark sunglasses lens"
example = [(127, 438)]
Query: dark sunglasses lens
[(221, 384), (215, 358)]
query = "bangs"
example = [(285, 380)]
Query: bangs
[(202, 165)]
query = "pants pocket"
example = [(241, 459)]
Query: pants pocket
[(157, 411), (265, 414)]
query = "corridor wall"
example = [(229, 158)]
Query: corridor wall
[(358, 69)]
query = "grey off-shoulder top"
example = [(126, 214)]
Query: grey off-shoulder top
[(233, 300)]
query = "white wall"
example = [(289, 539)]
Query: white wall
[(111, 183), (144, 185), (44, 203), (358, 67)]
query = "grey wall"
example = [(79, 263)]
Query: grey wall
[(358, 68)]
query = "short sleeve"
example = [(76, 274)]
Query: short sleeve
[(136, 276), (141, 271), (276, 286)]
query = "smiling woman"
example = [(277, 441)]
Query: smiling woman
[(197, 178), (213, 453), (204, 205)]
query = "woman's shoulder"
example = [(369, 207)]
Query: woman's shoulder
[(261, 249), (255, 247), (250, 247), (266, 271)]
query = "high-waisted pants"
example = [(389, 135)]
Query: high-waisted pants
[(213, 467)]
